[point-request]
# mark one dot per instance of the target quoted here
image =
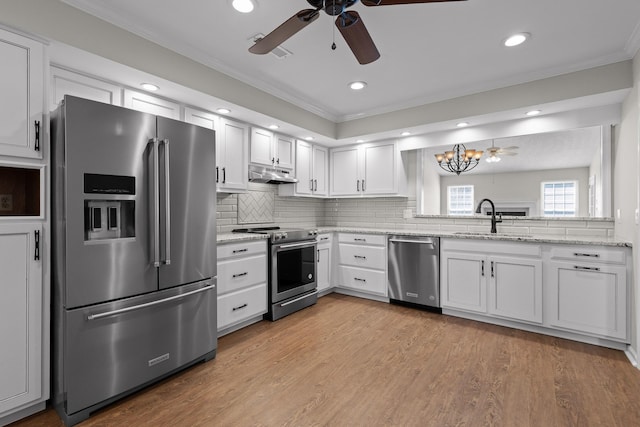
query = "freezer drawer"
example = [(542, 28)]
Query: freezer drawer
[(114, 348)]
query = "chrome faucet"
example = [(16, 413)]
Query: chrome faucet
[(494, 221)]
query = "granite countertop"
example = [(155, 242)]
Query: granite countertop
[(574, 240)]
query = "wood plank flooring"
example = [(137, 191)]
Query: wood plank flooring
[(353, 362)]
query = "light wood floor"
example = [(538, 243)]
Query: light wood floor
[(353, 362)]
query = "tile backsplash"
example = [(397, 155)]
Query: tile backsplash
[(388, 213)]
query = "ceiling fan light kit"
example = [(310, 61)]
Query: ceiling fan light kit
[(459, 159), (349, 24)]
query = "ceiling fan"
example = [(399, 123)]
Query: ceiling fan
[(348, 22), (494, 152)]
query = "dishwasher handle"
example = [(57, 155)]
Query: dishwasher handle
[(420, 242)]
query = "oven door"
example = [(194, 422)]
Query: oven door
[(293, 269)]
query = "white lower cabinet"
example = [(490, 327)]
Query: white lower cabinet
[(588, 291), (362, 263), (242, 283), (24, 378), (324, 261), (505, 286)]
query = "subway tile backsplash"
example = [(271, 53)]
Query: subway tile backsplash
[(388, 213)]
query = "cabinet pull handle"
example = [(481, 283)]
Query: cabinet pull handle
[(358, 185), (315, 185), (492, 273), (357, 279), (360, 256), (482, 268), (363, 185), (36, 252), (273, 160), (324, 238), (240, 307), (36, 144), (217, 174), (577, 267), (240, 274), (278, 161), (586, 254), (224, 175), (311, 185), (357, 239), (237, 251), (318, 250)]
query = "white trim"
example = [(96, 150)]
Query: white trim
[(633, 43), (632, 355)]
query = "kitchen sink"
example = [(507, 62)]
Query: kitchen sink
[(487, 234)]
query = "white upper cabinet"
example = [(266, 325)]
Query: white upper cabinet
[(232, 149), (151, 104), (312, 171), (232, 156), (22, 100), (272, 150), (65, 82), (366, 170)]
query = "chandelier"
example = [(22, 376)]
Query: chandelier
[(459, 159)]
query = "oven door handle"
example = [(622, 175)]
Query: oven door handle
[(298, 299), (297, 245)]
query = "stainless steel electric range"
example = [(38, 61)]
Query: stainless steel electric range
[(292, 269)]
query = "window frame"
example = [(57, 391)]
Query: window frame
[(543, 204), (470, 205)]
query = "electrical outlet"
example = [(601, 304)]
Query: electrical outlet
[(6, 202)]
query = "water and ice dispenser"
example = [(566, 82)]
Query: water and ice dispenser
[(106, 216)]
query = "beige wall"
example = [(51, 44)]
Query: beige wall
[(625, 187)]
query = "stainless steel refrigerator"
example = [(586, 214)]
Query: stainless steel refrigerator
[(134, 252)]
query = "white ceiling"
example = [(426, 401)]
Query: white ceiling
[(553, 150), (429, 52)]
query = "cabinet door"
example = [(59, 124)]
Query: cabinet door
[(344, 175), (21, 307), (262, 152), (64, 82), (379, 175), (463, 281), (22, 100), (304, 168), (285, 155), (320, 170), (202, 118), (515, 288), (151, 104), (324, 267), (589, 298), (233, 163)]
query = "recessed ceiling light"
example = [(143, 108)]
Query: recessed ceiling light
[(357, 85), (533, 112), (516, 39), (462, 124), (309, 138), (223, 110), (405, 133), (359, 140), (149, 86), (243, 6), (274, 127)]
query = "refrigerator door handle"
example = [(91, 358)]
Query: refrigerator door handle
[(167, 189), (148, 304), (155, 202)]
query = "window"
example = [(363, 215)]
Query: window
[(559, 198), (460, 200)]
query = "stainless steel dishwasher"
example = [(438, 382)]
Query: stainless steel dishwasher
[(414, 271)]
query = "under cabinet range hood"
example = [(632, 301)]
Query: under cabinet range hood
[(270, 175)]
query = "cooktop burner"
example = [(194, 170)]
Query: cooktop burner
[(281, 235)]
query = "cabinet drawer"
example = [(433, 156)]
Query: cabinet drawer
[(363, 256), (242, 305), (364, 280), (589, 254), (235, 274), (324, 238), (228, 250), (363, 239)]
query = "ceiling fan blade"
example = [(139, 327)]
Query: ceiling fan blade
[(392, 2), (287, 29), (357, 37)]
